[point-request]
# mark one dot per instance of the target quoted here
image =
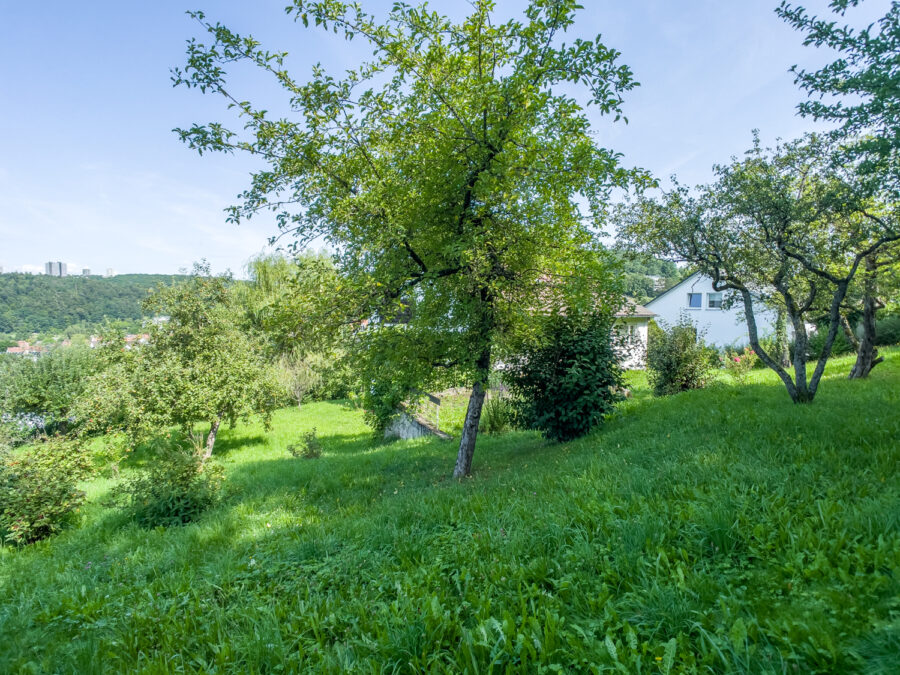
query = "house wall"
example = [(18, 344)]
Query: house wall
[(636, 328), (724, 327)]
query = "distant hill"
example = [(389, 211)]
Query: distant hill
[(37, 303)]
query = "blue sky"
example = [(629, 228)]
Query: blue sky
[(91, 173)]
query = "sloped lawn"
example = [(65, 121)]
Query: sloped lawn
[(723, 530)]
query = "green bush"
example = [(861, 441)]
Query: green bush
[(308, 447), (47, 387), (738, 364), (39, 493), (677, 358), (173, 489), (817, 343), (569, 381), (887, 331), (498, 414)]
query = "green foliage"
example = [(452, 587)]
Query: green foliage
[(498, 414), (200, 365), (738, 364), (887, 331), (860, 89), (816, 343), (567, 382), (48, 386), (646, 277), (39, 493), (308, 447), (314, 377), (36, 303), (784, 228), (453, 173), (677, 358), (175, 488), (720, 531)]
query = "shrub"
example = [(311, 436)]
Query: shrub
[(39, 493), (308, 447), (46, 389), (173, 489), (739, 364), (677, 358), (498, 414), (816, 343), (568, 381), (887, 331)]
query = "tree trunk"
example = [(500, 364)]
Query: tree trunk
[(469, 433), (801, 344), (866, 352), (211, 438), (848, 332), (834, 322), (473, 417), (758, 348)]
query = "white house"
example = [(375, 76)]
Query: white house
[(696, 298), (635, 320)]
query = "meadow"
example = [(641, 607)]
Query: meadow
[(719, 530)]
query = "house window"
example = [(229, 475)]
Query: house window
[(695, 300), (714, 300)]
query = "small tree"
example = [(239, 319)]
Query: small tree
[(49, 386), (200, 365), (860, 93)]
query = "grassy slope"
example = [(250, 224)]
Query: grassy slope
[(747, 533)]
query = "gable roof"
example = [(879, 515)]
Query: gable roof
[(679, 284), (632, 310)]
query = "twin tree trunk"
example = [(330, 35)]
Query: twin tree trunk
[(866, 352), (798, 388)]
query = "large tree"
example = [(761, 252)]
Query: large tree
[(860, 92), (453, 173), (783, 227)]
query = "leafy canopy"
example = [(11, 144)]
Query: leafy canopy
[(783, 226), (452, 173), (201, 364), (860, 90)]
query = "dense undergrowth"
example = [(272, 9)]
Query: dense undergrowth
[(719, 530)]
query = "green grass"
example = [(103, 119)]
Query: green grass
[(722, 530)]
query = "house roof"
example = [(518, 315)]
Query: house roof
[(633, 310), (680, 283)]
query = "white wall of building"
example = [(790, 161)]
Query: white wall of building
[(635, 334), (724, 327)]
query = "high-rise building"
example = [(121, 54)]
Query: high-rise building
[(56, 269), (110, 272), (86, 272)]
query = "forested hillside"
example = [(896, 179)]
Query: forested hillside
[(647, 277), (36, 303)]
